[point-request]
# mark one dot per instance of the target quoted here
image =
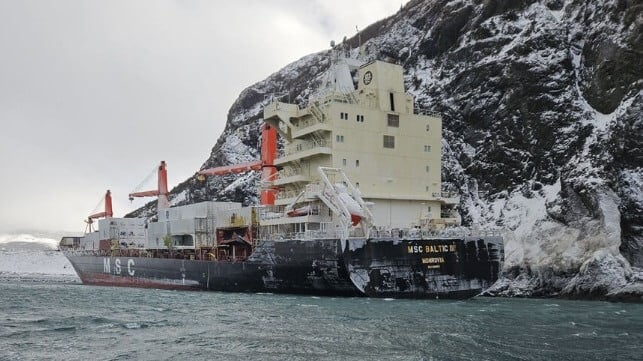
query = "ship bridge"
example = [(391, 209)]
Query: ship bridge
[(371, 131)]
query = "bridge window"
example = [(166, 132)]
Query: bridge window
[(393, 120), (389, 141)]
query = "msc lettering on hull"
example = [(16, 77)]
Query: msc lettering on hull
[(107, 267)]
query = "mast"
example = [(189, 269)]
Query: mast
[(266, 165), (161, 192), (107, 213)]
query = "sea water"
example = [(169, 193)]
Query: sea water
[(51, 316)]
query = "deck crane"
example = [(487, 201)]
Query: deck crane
[(266, 165), (161, 192), (107, 213)]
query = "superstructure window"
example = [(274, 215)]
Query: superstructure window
[(357, 162), (427, 169), (389, 141), (339, 138), (392, 102), (344, 162), (359, 118), (428, 127), (393, 120), (343, 115), (427, 148)]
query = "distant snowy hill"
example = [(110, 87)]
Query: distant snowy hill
[(25, 256), (543, 130)]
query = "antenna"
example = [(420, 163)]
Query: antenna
[(359, 37), (359, 42)]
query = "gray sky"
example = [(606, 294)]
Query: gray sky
[(93, 94)]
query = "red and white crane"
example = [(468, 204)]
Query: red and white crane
[(161, 192), (107, 213), (266, 165)]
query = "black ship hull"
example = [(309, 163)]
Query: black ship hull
[(430, 268), (436, 268)]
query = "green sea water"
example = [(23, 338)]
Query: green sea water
[(50, 320)]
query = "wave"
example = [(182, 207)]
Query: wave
[(28, 255), (26, 241)]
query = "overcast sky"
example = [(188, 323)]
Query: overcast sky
[(93, 94)]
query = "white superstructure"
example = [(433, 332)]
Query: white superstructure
[(370, 132)]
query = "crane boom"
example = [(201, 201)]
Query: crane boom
[(236, 168), (144, 194), (266, 164), (107, 213), (108, 207), (161, 192)]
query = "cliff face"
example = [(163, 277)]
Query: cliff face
[(543, 130)]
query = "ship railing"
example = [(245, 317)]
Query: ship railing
[(289, 172), (303, 146), (310, 235), (132, 252), (273, 212), (326, 95), (304, 236), (342, 233), (350, 95), (318, 234), (314, 188), (309, 122), (420, 233), (319, 96), (286, 194), (468, 232)]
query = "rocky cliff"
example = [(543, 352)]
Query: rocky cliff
[(543, 130)]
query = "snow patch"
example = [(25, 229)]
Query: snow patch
[(178, 198)]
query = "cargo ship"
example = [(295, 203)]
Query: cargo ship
[(353, 205)]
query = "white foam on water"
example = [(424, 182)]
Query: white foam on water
[(25, 254)]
